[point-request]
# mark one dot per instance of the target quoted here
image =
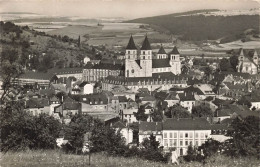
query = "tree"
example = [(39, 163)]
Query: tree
[(224, 65), (244, 137), (140, 114), (201, 111), (177, 111), (210, 147), (76, 129), (234, 62), (244, 100), (65, 38), (151, 143)]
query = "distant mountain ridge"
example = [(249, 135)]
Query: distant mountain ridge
[(193, 26)]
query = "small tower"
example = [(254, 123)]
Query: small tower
[(161, 53), (175, 61), (146, 58), (130, 56), (255, 58)]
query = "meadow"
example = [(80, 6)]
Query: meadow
[(52, 158)]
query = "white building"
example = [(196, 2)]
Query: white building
[(86, 60), (181, 133), (125, 131)]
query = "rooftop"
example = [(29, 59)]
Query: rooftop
[(186, 124)]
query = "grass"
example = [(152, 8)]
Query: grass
[(52, 158)]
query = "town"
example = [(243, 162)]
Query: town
[(146, 93)]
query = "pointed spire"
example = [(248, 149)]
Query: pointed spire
[(146, 44), (174, 51), (131, 44), (161, 50)]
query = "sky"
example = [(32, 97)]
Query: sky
[(128, 9)]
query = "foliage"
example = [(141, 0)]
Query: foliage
[(244, 100), (151, 143), (210, 147), (234, 62), (76, 129), (200, 27), (225, 65), (20, 131), (177, 111), (245, 137), (140, 114), (202, 111), (157, 115)]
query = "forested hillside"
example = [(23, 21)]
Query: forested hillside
[(201, 27)]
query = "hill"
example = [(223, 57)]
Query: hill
[(196, 26)]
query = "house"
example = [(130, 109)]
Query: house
[(148, 128), (171, 99), (36, 107), (187, 100), (128, 115), (86, 88), (94, 102), (86, 60), (54, 102), (149, 100), (180, 133), (70, 107), (233, 111), (219, 131), (119, 103), (125, 131)]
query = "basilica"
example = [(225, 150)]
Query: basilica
[(142, 63), (145, 70)]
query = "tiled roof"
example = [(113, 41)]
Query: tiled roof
[(94, 99), (148, 98), (171, 96), (174, 51), (150, 126), (83, 84), (186, 124), (119, 125), (131, 44), (159, 63), (194, 90), (186, 97), (122, 99), (107, 66), (146, 44), (161, 50), (36, 75)]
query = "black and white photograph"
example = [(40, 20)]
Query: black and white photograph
[(129, 83)]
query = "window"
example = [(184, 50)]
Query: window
[(133, 70), (165, 142), (196, 142), (202, 135), (181, 135), (175, 135), (84, 99), (128, 52), (186, 142), (170, 135), (165, 135), (186, 135), (196, 135), (181, 143), (206, 135), (175, 142), (143, 57), (171, 143), (143, 52), (191, 135)]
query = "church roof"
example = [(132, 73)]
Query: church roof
[(131, 44), (174, 51), (146, 44), (159, 63), (161, 50)]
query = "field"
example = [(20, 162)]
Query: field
[(58, 159)]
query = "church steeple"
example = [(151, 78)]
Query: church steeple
[(131, 44), (146, 44)]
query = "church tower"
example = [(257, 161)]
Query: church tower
[(161, 53), (130, 57), (146, 58), (175, 61)]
